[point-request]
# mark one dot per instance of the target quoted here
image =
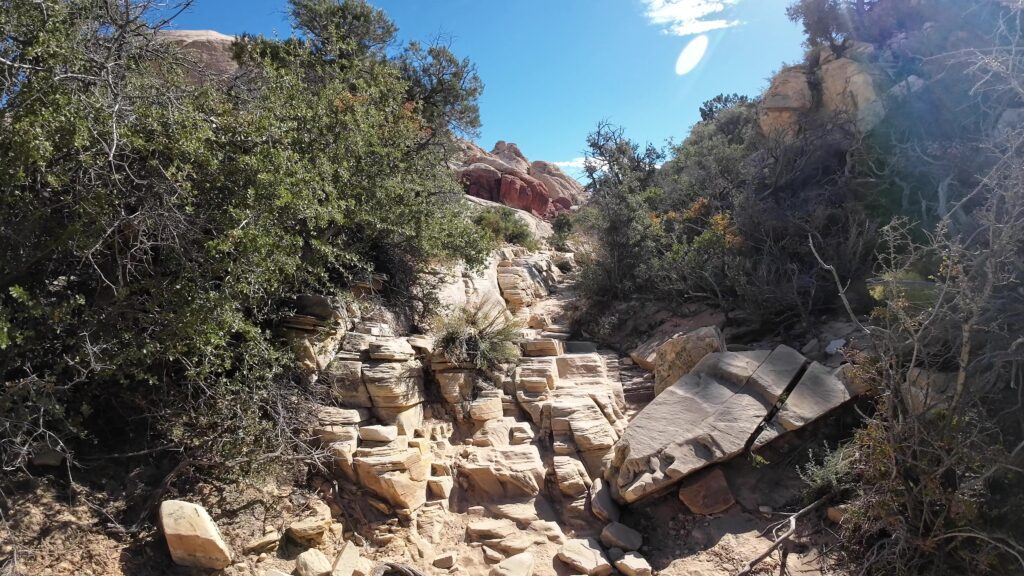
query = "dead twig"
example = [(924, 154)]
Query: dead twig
[(785, 535)]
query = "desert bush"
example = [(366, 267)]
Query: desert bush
[(502, 226), (156, 225), (480, 336), (830, 475)]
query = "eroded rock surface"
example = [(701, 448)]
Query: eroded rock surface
[(715, 412)]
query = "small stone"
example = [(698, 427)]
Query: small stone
[(616, 535), (312, 562), (266, 543), (309, 531), (765, 509), (492, 556), (378, 433), (616, 554), (446, 560), (633, 564), (192, 536), (518, 565), (585, 556)]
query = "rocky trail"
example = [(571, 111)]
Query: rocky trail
[(568, 463), (575, 460)]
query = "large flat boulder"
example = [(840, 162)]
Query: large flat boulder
[(717, 410)]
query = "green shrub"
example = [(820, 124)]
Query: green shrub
[(155, 227), (503, 226), (482, 337), (832, 475), (562, 227)]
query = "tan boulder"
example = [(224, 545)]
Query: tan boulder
[(585, 556), (347, 563), (391, 349), (707, 416), (676, 357), (312, 562), (192, 536), (212, 51), (512, 471), (787, 99), (617, 535), (633, 564), (852, 88), (518, 565)]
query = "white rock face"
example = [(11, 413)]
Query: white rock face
[(192, 536), (211, 50)]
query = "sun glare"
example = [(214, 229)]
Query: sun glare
[(691, 56)]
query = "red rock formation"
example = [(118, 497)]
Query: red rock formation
[(500, 177)]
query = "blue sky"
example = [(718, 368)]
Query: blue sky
[(554, 68)]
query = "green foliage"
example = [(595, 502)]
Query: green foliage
[(562, 226), (481, 337), (158, 221), (725, 220), (502, 225), (831, 476)]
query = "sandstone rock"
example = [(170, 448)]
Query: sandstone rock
[(706, 492), (446, 560), (850, 87), (441, 486), (486, 408), (311, 531), (550, 530), (212, 51), (645, 355), (492, 556), (192, 536), (456, 385), (345, 379), (357, 342), (391, 349), (679, 355), (571, 475), (312, 562), (518, 565), (585, 556), (266, 543), (378, 433), (601, 502), (348, 560), (788, 98), (394, 384), (490, 529), (633, 564), (504, 472), (558, 184), (616, 535), (521, 433), (510, 154), (705, 417), (817, 393), (542, 347)]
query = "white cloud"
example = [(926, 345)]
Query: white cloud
[(574, 164), (689, 17)]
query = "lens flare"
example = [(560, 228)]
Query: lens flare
[(691, 56)]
